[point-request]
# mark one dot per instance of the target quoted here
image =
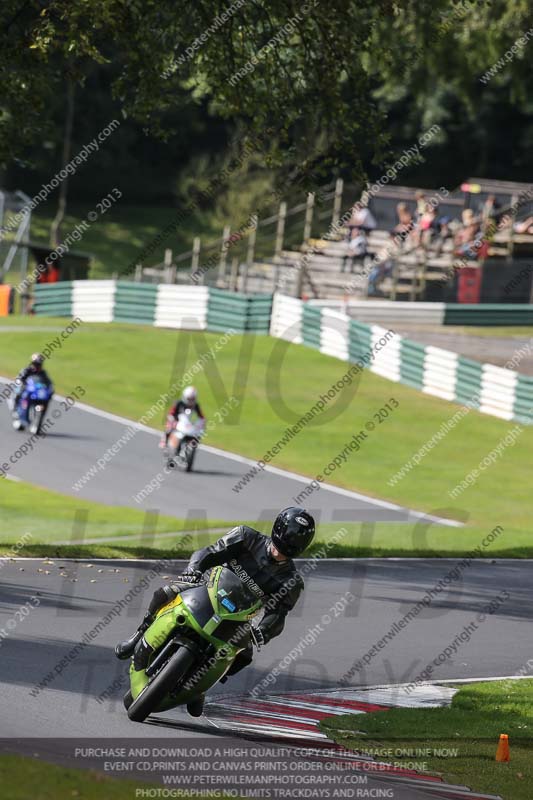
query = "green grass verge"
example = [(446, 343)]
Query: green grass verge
[(22, 778), (40, 517), (499, 497), (471, 726), (367, 540)]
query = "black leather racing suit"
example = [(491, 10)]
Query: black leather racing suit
[(278, 584)]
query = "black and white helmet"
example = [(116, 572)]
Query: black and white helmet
[(293, 531), (37, 359)]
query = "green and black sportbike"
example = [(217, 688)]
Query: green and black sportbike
[(196, 638)]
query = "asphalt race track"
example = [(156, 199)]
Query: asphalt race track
[(82, 435), (44, 700), (384, 591), (74, 596)]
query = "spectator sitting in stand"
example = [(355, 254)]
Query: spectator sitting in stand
[(421, 203), (442, 227), (405, 223), (357, 247), (361, 218), (466, 239), (524, 226), (383, 266), (490, 212), (427, 225)]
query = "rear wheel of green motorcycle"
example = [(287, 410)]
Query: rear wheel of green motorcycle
[(160, 686)]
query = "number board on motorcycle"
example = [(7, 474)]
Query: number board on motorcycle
[(229, 604)]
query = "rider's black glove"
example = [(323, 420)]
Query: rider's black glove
[(194, 576)]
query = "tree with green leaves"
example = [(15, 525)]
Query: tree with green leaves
[(342, 82)]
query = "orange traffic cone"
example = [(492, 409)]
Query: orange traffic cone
[(502, 753)]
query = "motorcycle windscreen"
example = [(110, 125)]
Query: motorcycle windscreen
[(189, 424), (233, 594), (39, 389), (41, 392), (198, 602)]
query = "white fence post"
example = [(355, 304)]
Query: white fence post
[(337, 202), (223, 254), (309, 216), (249, 252), (195, 261)]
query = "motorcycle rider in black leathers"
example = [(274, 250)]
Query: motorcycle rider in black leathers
[(264, 563), (35, 370)]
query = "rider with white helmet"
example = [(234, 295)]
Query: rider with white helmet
[(187, 401)]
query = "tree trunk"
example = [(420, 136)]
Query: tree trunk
[(55, 229)]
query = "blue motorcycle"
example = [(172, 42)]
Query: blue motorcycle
[(31, 407)]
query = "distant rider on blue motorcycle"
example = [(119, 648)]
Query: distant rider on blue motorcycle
[(33, 370)]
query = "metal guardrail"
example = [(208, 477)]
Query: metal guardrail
[(14, 231)]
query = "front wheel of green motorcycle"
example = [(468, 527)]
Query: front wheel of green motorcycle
[(161, 685)]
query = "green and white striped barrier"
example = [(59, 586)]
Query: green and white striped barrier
[(93, 300), (135, 302), (163, 305), (181, 307), (492, 390), (387, 312), (394, 312)]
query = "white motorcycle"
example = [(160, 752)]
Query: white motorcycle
[(184, 440)]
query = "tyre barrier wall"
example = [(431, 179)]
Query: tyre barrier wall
[(54, 299), (237, 311), (488, 314), (389, 312), (96, 304), (492, 390), (163, 305), (181, 307), (135, 302)]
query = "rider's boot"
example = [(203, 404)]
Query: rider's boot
[(125, 649), (195, 707), (163, 444), (18, 424)]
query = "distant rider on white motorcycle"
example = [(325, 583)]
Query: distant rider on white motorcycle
[(187, 401)]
